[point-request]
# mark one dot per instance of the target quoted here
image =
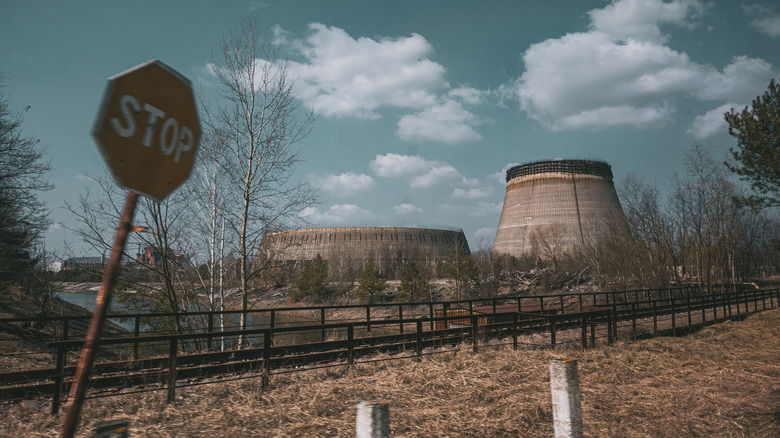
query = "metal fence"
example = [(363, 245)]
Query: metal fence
[(148, 361)]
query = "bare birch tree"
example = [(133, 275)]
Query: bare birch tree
[(207, 201), (260, 126)]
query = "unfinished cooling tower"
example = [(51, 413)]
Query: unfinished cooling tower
[(361, 244), (556, 206)]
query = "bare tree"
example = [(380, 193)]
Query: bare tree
[(23, 217), (656, 255), (260, 126), (160, 229), (549, 242), (207, 200)]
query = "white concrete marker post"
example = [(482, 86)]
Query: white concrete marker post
[(373, 419), (565, 392)]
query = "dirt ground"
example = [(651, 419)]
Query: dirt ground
[(723, 381)]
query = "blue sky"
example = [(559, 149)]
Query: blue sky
[(422, 105)]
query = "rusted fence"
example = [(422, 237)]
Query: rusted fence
[(146, 362)]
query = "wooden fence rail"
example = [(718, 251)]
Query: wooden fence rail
[(205, 321), (176, 362)]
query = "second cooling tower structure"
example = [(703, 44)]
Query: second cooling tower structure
[(361, 244), (564, 203)]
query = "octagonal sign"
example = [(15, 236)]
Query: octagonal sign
[(148, 130)]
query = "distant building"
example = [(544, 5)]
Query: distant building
[(354, 246), (92, 263), (152, 257)]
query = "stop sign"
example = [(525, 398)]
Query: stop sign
[(148, 130)]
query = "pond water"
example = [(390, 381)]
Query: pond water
[(255, 320), (87, 301)]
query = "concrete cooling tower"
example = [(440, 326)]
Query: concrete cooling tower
[(560, 203), (360, 243)]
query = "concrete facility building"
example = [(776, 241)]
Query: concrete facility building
[(360, 244), (558, 203)]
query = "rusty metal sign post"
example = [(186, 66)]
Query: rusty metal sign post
[(98, 319), (148, 132)]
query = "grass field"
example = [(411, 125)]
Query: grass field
[(723, 381)]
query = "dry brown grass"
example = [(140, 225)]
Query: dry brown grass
[(723, 381)]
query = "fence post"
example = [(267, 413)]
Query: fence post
[(688, 306), (609, 328), (584, 327), (211, 329), (267, 336), (401, 318), (565, 395), (703, 312), (552, 331), (351, 344), (368, 320), (419, 339), (633, 321), (59, 375), (755, 300), (136, 333), (373, 419), (322, 322), (561, 304), (674, 320), (474, 331), (65, 324), (514, 330), (592, 333), (174, 347), (430, 313), (655, 318), (614, 318), (714, 308), (727, 305)]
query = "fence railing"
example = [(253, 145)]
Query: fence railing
[(68, 327), (148, 362)]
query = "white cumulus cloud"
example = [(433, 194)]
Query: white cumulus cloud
[(767, 20), (346, 76), (345, 184), (420, 173), (621, 73), (475, 193), (640, 19), (769, 25), (447, 122), (711, 122), (398, 166), (405, 209), (338, 214), (500, 176)]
